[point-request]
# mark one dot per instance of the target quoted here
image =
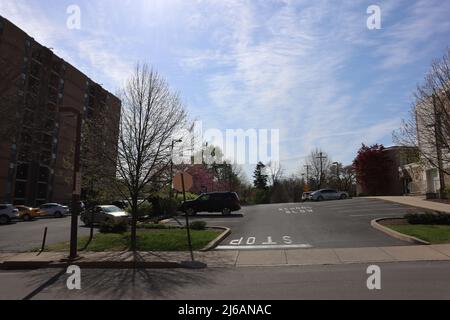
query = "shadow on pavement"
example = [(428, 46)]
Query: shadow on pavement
[(121, 284)]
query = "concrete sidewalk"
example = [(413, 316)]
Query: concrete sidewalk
[(302, 257), (416, 201)]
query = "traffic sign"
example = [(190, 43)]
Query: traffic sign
[(178, 182)]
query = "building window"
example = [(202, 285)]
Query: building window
[(44, 174), (22, 171), (20, 190), (42, 191)]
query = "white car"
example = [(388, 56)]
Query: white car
[(53, 209), (7, 213), (104, 213)]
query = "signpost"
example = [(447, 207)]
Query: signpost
[(183, 182)]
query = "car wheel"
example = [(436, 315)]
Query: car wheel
[(343, 197), (190, 212), (320, 198), (26, 217), (4, 219), (58, 214), (226, 211)]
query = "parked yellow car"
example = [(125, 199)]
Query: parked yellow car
[(27, 213)]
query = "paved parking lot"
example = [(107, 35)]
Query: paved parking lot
[(334, 224), (25, 236)]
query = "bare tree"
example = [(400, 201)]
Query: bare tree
[(428, 127), (151, 116), (319, 164), (275, 172)]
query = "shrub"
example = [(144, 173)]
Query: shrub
[(154, 226), (169, 207), (112, 226), (428, 218), (198, 225), (261, 197), (145, 209)]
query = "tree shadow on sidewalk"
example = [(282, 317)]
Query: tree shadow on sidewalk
[(114, 284)]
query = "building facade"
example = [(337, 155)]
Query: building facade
[(37, 153), (433, 129)]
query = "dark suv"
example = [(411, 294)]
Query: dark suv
[(225, 202)]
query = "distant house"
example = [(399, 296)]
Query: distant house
[(204, 180)]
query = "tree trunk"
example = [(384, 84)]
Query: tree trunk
[(133, 237)]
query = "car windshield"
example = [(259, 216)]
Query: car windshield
[(111, 209)]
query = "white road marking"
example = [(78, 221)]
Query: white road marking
[(265, 247), (296, 210)]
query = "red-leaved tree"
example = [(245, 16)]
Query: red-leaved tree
[(372, 167)]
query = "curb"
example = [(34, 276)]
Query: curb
[(395, 234), (213, 244)]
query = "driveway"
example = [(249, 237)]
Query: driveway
[(334, 224), (25, 236)]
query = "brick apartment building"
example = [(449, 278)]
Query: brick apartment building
[(37, 151)]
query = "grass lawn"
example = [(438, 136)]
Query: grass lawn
[(432, 233), (157, 240)]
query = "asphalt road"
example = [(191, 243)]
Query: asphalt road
[(333, 224), (25, 236), (412, 280)]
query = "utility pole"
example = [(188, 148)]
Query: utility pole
[(321, 157), (439, 137), (307, 174)]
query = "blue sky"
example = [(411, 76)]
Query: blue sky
[(309, 68)]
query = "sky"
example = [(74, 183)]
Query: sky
[(312, 69)]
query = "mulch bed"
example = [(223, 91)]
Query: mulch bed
[(394, 222)]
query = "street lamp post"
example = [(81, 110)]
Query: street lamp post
[(76, 192)]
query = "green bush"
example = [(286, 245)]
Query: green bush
[(447, 190), (112, 226), (144, 209), (261, 197), (169, 207), (198, 225), (428, 218), (154, 226), (189, 196)]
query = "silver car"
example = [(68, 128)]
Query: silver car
[(7, 213), (328, 194), (306, 196), (53, 210), (101, 214)]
